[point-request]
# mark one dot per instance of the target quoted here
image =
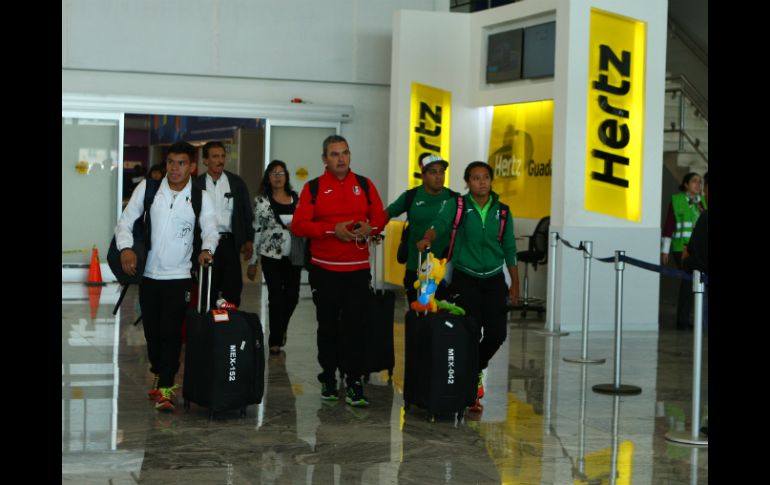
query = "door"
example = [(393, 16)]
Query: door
[(299, 145), (92, 159)]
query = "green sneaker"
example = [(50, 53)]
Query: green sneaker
[(480, 393), (165, 401), (355, 395), (329, 390)]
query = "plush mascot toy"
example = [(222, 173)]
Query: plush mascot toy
[(429, 276)]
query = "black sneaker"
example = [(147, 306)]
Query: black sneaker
[(355, 395), (329, 390)]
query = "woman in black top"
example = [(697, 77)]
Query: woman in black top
[(273, 213)]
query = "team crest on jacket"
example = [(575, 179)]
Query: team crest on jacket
[(356, 190)]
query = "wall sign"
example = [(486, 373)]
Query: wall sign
[(520, 148), (429, 128), (615, 125)]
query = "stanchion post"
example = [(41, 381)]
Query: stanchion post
[(615, 439), (587, 252), (583, 359), (697, 288), (694, 438), (616, 387), (550, 313), (582, 424)]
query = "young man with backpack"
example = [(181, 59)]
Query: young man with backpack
[(482, 244), (174, 231), (421, 205), (337, 212)]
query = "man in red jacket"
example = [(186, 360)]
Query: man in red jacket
[(337, 219)]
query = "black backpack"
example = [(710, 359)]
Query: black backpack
[(313, 187), (142, 240)]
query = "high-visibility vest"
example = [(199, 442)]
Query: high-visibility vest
[(686, 215)]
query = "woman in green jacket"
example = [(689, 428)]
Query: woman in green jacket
[(479, 252)]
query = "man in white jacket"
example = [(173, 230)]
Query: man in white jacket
[(166, 283)]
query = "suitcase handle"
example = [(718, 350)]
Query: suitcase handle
[(374, 266), (208, 287)]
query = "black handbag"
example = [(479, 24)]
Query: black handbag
[(113, 258), (298, 253), (403, 247), (140, 231)]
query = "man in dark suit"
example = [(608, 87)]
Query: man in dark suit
[(234, 223)]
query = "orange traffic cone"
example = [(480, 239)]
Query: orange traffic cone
[(95, 271), (94, 293)]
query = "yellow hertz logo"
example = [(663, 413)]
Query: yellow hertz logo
[(614, 135), (429, 128), (520, 149), (610, 134)]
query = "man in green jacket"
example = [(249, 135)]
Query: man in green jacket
[(421, 205)]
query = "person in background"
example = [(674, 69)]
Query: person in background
[(683, 212), (696, 253), (234, 222), (273, 216), (426, 201), (337, 220), (166, 282), (696, 256), (156, 172), (478, 283)]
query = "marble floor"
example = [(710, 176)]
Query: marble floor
[(541, 424)]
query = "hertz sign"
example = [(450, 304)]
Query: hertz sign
[(615, 125), (428, 128)]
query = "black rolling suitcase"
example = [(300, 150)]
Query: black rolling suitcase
[(441, 362), (379, 340), (224, 358)]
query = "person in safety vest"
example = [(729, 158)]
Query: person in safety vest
[(683, 212)]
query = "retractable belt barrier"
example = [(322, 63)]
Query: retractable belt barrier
[(666, 271), (693, 438)]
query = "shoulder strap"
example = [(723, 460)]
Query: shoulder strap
[(196, 196), (410, 195), (364, 183), (504, 211), (197, 201), (150, 190), (313, 185), (455, 224), (149, 193)]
